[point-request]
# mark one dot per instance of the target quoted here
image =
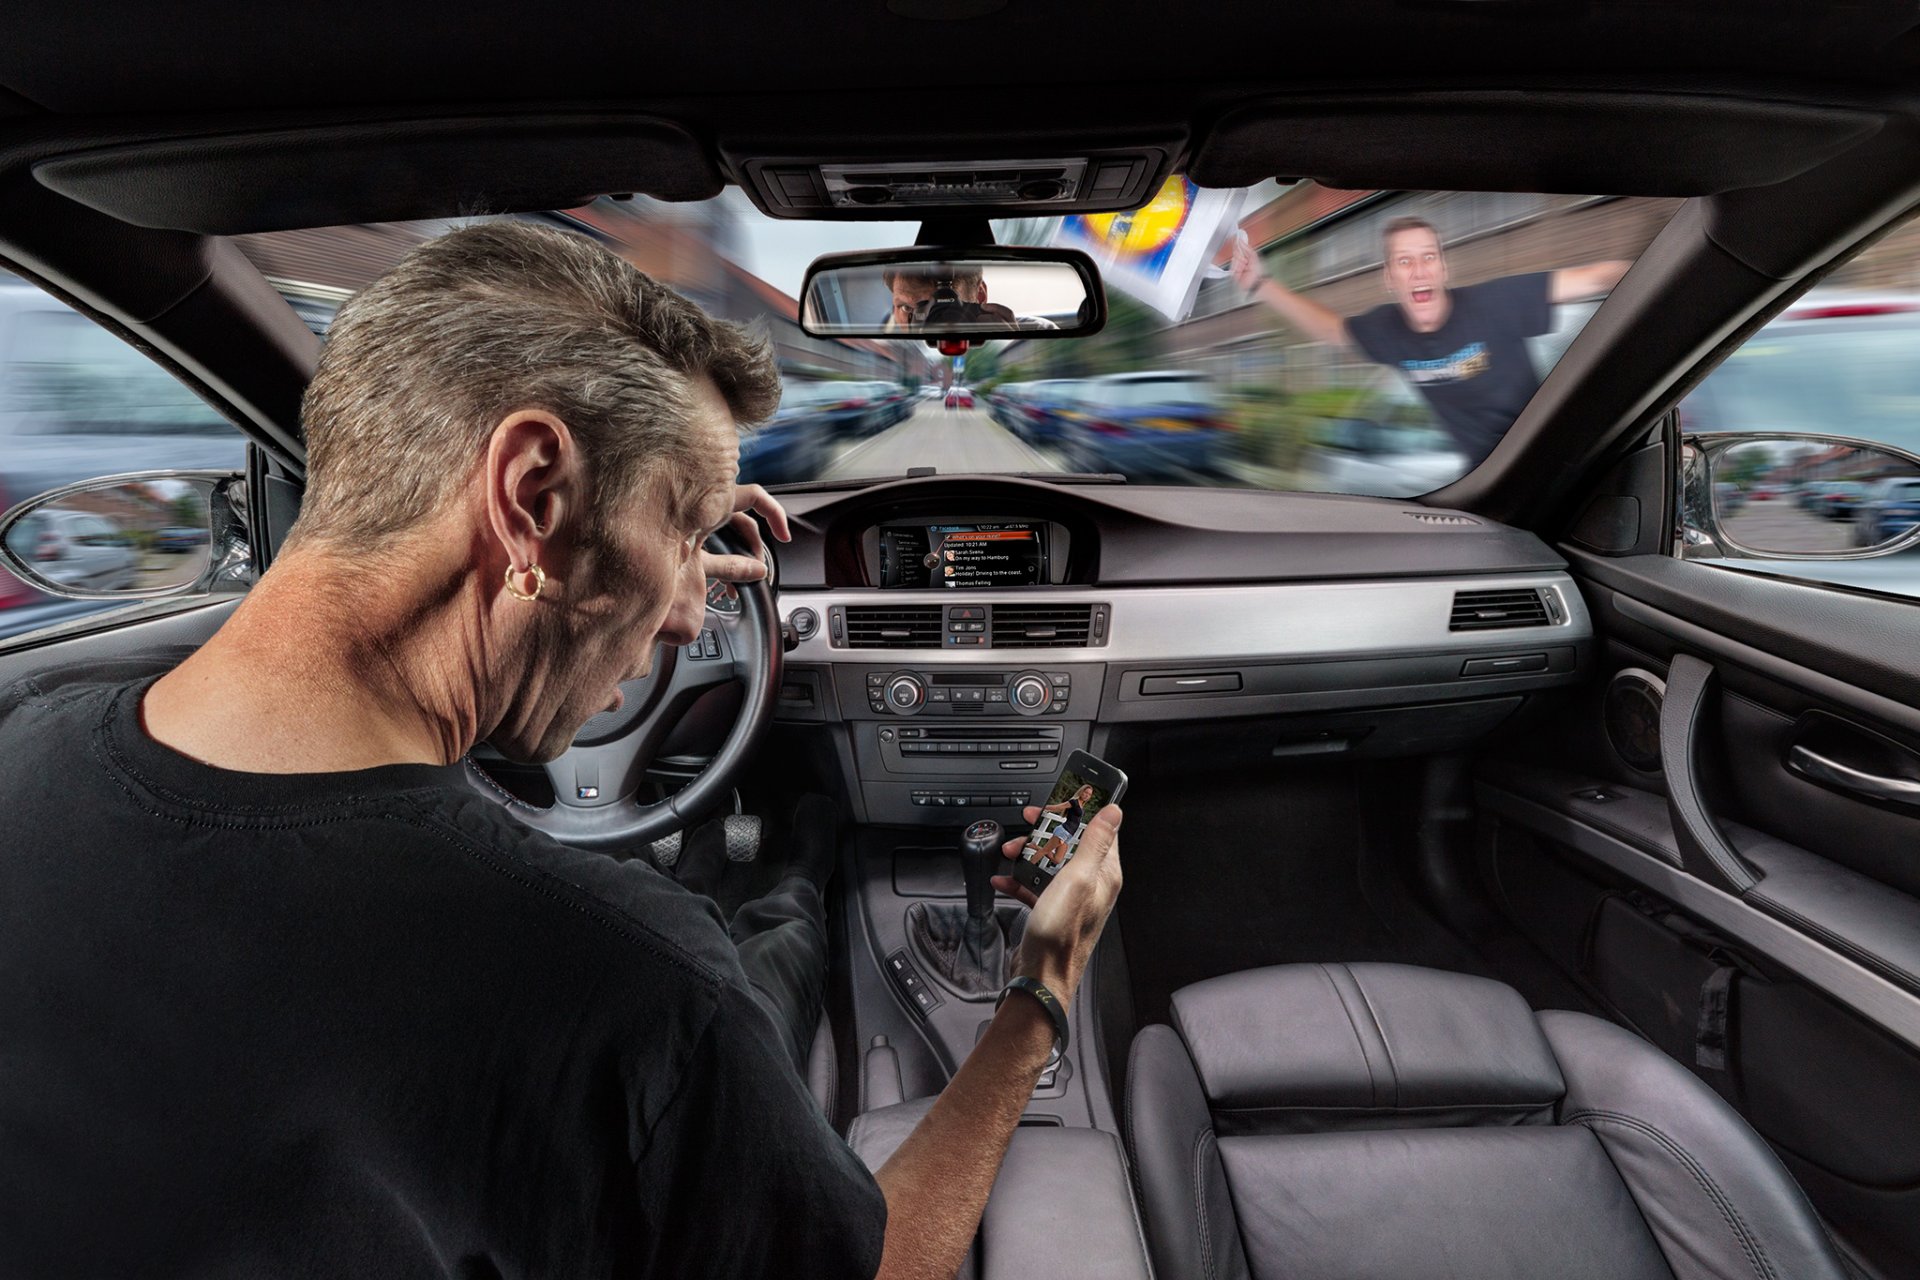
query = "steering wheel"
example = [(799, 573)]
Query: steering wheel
[(596, 782)]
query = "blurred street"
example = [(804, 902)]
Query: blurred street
[(1780, 525), (952, 440)]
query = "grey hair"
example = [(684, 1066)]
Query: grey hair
[(422, 364)]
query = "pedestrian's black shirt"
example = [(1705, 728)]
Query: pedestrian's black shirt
[(1474, 369), (364, 1024)]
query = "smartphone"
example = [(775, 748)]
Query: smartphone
[(1087, 785)]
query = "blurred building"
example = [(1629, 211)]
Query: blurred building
[(686, 246)]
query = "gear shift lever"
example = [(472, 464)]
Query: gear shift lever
[(968, 949), (979, 852)]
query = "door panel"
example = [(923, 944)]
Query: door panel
[(1747, 909)]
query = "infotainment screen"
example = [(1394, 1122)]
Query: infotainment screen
[(1004, 554)]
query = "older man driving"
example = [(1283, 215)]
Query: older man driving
[(280, 995)]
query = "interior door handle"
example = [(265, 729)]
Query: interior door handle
[(1810, 764)]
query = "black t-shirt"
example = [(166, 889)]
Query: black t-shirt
[(363, 1024), (1070, 817), (1474, 369)]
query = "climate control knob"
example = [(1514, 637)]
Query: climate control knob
[(905, 694), (1030, 693)]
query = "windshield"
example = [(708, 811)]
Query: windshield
[(1286, 336)]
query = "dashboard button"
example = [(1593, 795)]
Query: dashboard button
[(936, 695), (1030, 694), (905, 693), (876, 679)]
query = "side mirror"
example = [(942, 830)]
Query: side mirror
[(1797, 497), (132, 537)]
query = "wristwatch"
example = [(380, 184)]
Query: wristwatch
[(1055, 1010)]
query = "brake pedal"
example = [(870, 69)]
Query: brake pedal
[(666, 851)]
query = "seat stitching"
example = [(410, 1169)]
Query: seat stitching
[(1749, 1244), (1373, 1088), (1200, 1202), (1385, 1044)]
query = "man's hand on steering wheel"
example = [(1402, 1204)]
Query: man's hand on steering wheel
[(748, 568)]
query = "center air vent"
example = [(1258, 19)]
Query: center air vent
[(880, 626), (1488, 610), (1042, 626)]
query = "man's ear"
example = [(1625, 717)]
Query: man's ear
[(532, 484)]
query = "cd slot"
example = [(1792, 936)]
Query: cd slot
[(934, 740)]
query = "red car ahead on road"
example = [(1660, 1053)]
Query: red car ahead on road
[(960, 398)]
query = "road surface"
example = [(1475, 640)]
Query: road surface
[(954, 441), (1778, 524)]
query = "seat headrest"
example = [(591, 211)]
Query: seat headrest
[(1293, 1047)]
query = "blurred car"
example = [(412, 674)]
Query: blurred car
[(1159, 425), (1360, 455), (1840, 499), (1040, 406), (959, 397), (1890, 508), (76, 549), (179, 539), (1729, 499), (1003, 404), (797, 442)]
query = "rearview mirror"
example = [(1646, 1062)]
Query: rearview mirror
[(1799, 497), (974, 294), (131, 537)]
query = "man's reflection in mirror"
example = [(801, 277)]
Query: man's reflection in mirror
[(941, 295)]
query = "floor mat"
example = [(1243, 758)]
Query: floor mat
[(1250, 870)]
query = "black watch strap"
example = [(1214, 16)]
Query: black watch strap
[(1048, 1001)]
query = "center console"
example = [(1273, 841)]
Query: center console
[(931, 739)]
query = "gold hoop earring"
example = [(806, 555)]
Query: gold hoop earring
[(539, 583)]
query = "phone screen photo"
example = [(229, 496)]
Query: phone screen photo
[(1085, 787)]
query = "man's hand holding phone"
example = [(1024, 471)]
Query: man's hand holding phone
[(1067, 918)]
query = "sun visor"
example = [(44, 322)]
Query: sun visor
[(331, 175), (1511, 140)]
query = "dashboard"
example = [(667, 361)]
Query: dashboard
[(958, 636)]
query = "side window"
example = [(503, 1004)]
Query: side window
[(1804, 444), (77, 403)]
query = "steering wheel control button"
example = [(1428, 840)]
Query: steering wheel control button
[(806, 623)]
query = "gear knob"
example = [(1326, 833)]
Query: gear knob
[(979, 854)]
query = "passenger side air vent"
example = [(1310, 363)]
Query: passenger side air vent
[(879, 626), (1042, 626), (1488, 610)]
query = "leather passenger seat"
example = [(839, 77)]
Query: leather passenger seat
[(1317, 1122)]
